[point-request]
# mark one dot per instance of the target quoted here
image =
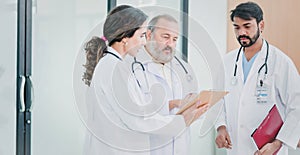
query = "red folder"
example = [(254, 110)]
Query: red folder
[(268, 129)]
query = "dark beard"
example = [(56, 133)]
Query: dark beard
[(252, 40)]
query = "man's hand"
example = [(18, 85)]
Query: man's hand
[(269, 148), (223, 138), (298, 144)]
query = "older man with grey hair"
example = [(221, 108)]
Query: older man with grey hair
[(159, 65)]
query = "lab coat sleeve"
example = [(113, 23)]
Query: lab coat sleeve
[(219, 84), (221, 119), (153, 122), (288, 85), (135, 113)]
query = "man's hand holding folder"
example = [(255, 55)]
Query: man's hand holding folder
[(264, 136), (269, 148)]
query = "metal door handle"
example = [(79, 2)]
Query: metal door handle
[(22, 99)]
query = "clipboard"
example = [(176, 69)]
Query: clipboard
[(268, 129), (206, 97)]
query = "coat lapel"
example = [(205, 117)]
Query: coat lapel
[(258, 62)]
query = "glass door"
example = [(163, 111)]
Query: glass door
[(59, 29), (8, 66)]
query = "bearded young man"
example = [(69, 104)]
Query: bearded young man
[(258, 76)]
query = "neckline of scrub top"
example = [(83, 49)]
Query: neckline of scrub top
[(247, 65)]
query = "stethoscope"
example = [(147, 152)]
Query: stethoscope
[(113, 54), (188, 76), (261, 81), (144, 90), (145, 77)]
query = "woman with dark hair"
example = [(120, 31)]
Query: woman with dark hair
[(120, 26), (119, 120)]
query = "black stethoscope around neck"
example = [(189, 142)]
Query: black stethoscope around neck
[(189, 77), (146, 88), (113, 54), (234, 78)]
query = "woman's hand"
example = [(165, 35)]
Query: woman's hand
[(194, 112), (174, 104), (178, 103)]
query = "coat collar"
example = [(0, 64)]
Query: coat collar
[(112, 50)]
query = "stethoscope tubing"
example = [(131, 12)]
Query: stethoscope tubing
[(264, 65), (188, 76)]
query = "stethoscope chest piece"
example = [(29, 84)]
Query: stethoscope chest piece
[(234, 81), (189, 78)]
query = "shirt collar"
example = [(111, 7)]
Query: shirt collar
[(112, 50)]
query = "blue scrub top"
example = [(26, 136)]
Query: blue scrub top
[(247, 65)]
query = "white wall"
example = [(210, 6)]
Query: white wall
[(210, 16)]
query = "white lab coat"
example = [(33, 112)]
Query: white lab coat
[(184, 83), (244, 114), (116, 124), (179, 87)]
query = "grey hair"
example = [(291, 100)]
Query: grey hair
[(154, 20)]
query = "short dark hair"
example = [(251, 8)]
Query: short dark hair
[(247, 11)]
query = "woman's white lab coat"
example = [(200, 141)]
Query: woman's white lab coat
[(116, 124), (243, 114)]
